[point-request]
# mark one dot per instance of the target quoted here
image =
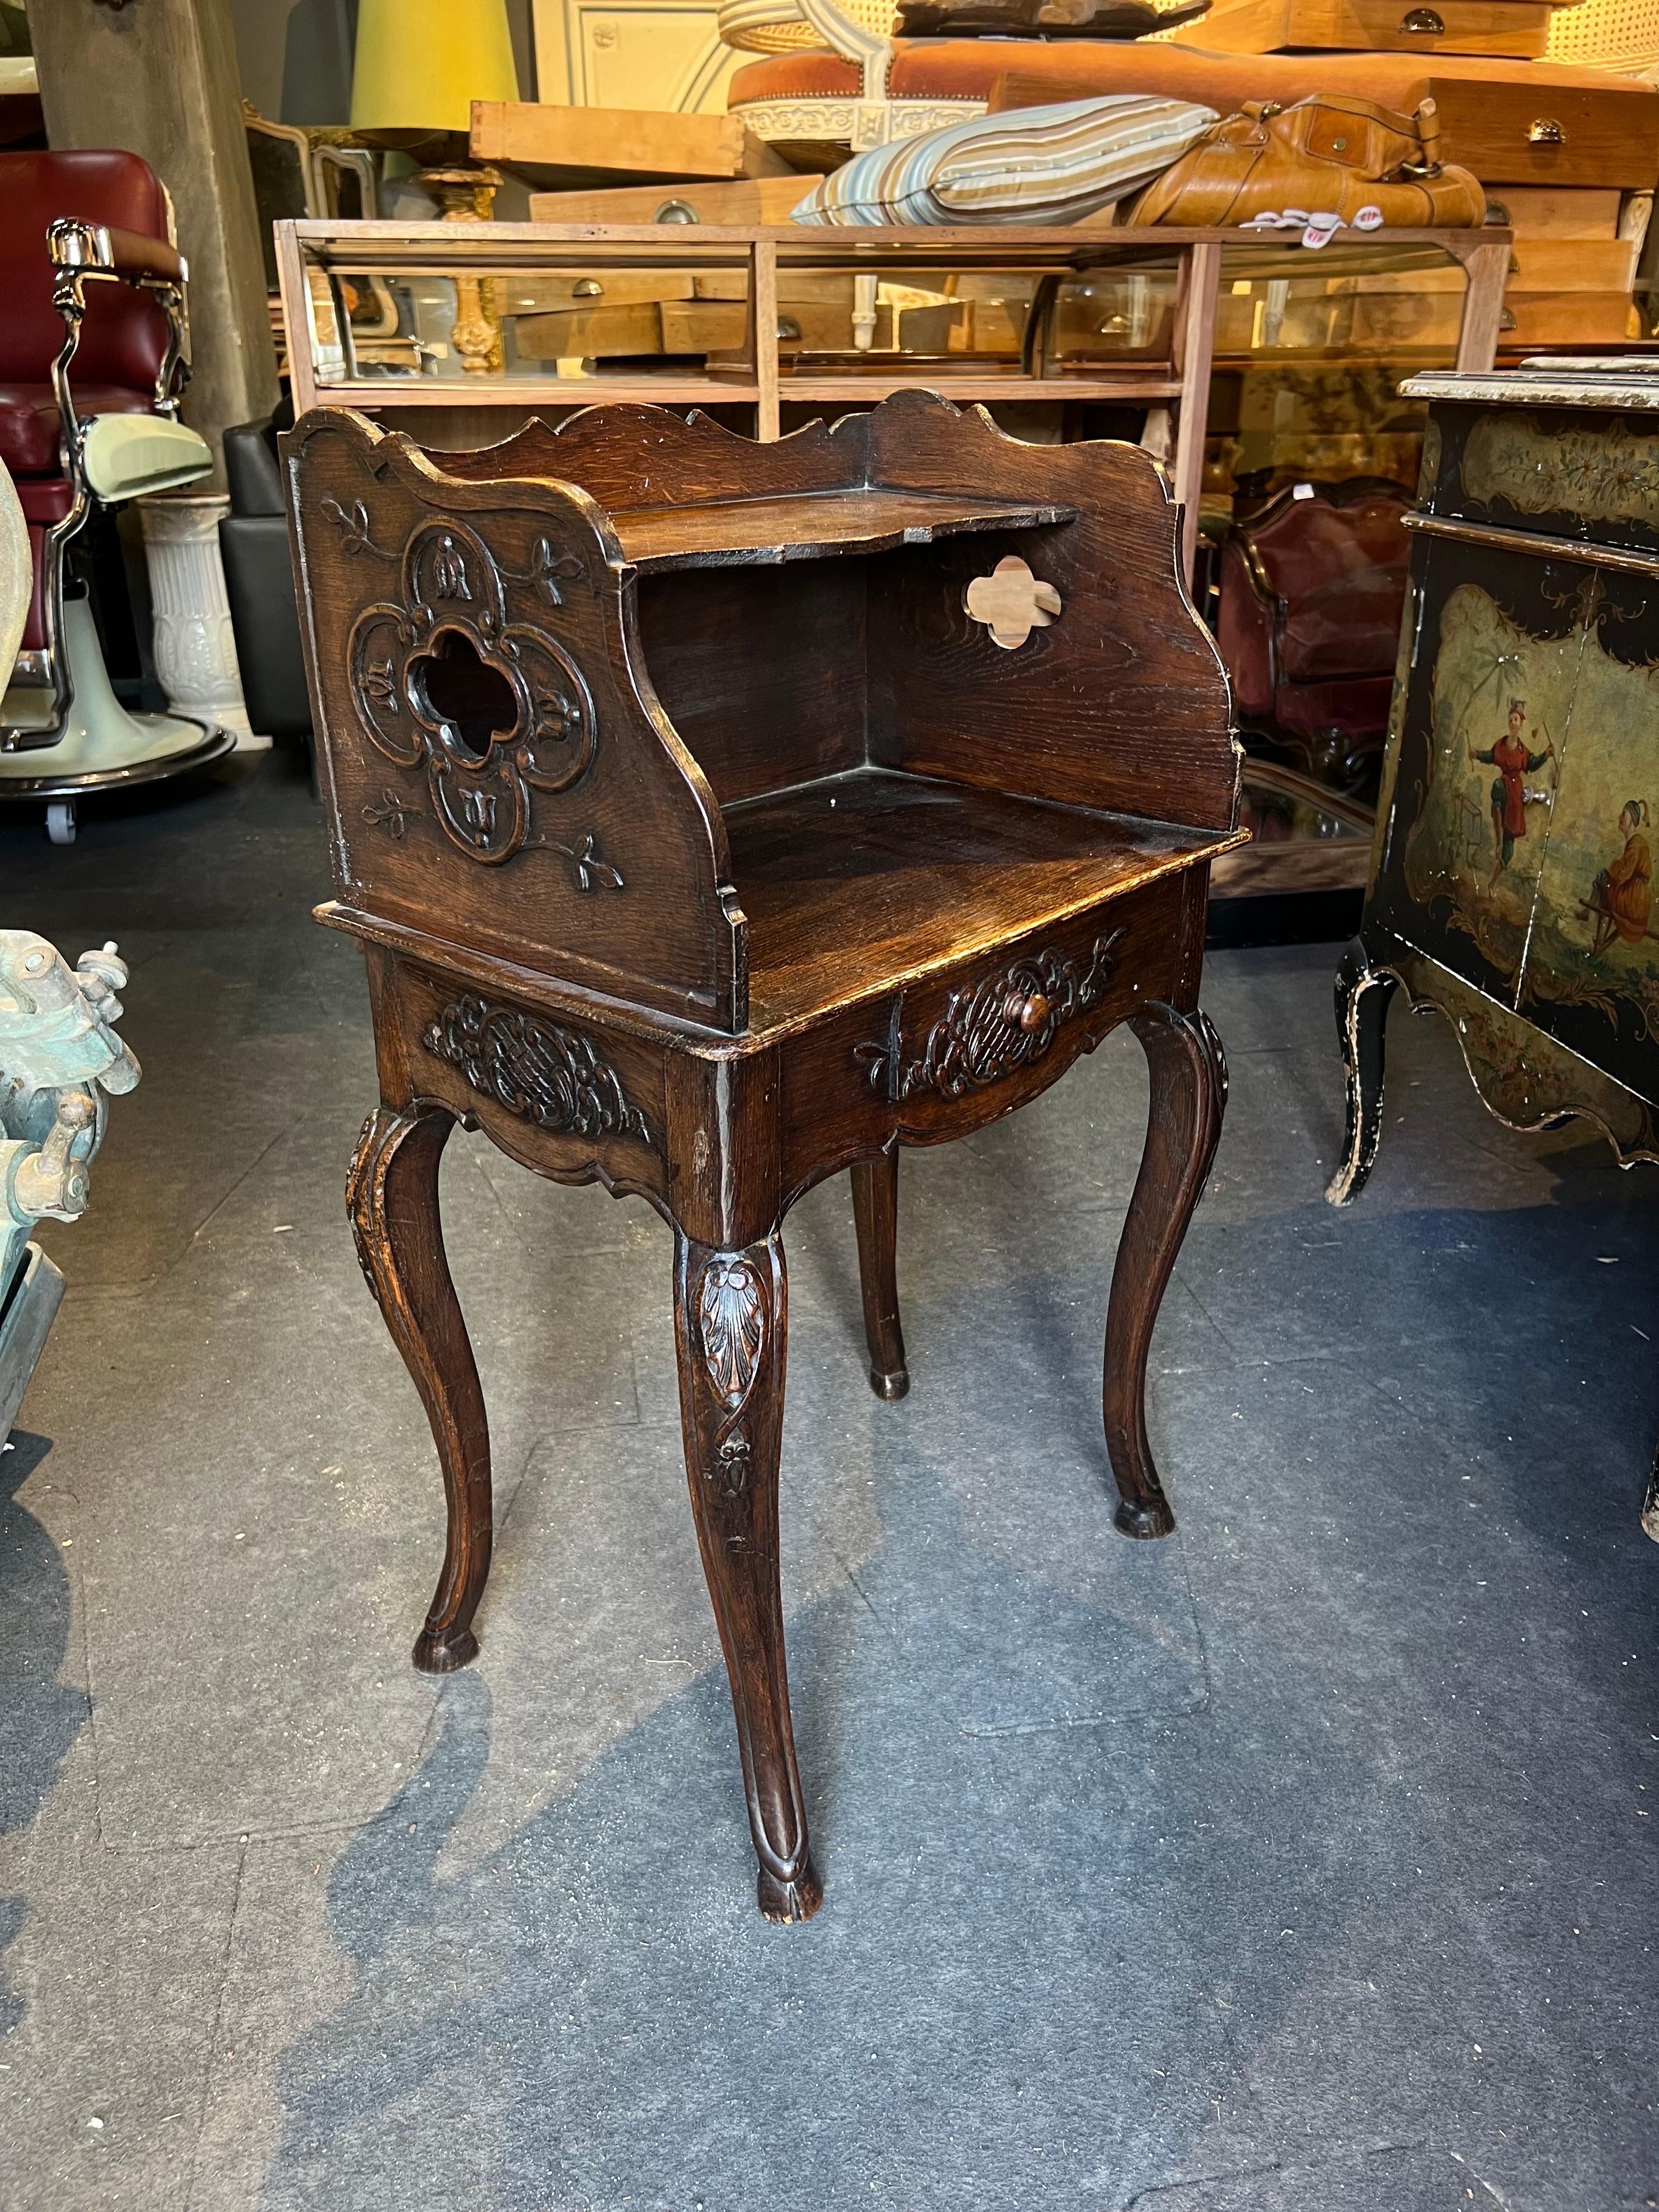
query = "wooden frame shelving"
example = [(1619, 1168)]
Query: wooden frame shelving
[(763, 378)]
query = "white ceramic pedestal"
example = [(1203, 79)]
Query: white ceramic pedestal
[(195, 646)]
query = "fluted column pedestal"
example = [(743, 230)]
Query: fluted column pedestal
[(195, 646)]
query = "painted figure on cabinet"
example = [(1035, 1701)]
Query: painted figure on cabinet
[(1485, 814), (1514, 760), (1621, 898)]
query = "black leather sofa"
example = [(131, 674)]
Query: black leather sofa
[(259, 580)]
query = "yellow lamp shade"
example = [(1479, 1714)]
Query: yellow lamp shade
[(421, 64)]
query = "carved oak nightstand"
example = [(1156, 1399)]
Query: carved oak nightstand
[(716, 817)]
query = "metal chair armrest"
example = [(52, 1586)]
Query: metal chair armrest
[(94, 251)]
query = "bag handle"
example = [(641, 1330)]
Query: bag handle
[(1428, 130)]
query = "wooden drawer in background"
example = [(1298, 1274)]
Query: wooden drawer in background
[(1519, 133), (1511, 29), (1541, 212)]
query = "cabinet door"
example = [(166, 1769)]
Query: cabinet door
[(1484, 725), (1591, 973), (664, 54)]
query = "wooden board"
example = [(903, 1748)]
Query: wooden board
[(1543, 211), (1548, 319), (1515, 29), (754, 200), (1573, 265), (1537, 265), (572, 145), (750, 532), (597, 333)]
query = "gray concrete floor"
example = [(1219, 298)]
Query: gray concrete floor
[(1304, 1861)]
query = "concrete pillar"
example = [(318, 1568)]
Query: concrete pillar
[(158, 77)]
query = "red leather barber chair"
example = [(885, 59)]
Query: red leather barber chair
[(92, 363)]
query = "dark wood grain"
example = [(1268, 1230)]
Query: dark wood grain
[(391, 1197), (541, 595), (787, 864), (874, 878), (1121, 704), (1183, 1126), (760, 532), (628, 455), (875, 1215), (725, 649)]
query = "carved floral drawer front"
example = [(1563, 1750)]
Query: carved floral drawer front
[(528, 1073), (954, 1051), (1003, 1020)]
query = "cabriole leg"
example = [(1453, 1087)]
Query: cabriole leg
[(1183, 1126), (391, 1197), (730, 1327), (1363, 994), (875, 1214)]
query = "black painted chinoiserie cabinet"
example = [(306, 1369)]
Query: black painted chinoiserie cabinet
[(1511, 879)]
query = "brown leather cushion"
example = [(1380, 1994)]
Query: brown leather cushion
[(28, 420), (123, 340), (969, 69)]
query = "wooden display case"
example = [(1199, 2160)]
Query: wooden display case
[(764, 323)]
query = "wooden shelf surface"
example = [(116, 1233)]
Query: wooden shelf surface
[(763, 532), (666, 390), (435, 246), (1096, 382), (858, 883)]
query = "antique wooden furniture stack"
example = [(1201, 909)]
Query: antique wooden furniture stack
[(1512, 868), (1568, 157), (718, 817)]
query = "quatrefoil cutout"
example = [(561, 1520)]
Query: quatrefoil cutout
[(480, 784), (1012, 602)]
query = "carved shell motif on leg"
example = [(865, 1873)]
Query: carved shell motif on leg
[(731, 1325)]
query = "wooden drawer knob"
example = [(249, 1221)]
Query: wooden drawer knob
[(1028, 1014), (1547, 131), (1423, 23)]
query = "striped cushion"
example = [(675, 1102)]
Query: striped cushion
[(1036, 164)]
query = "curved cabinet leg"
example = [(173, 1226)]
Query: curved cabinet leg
[(730, 1327), (875, 1215), (1363, 994), (391, 1197), (1183, 1126)]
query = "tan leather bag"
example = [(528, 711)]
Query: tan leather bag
[(1333, 156)]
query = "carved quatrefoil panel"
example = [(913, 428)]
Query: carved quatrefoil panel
[(1012, 602), (493, 710)]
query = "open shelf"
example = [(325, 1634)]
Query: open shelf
[(860, 882), (810, 526)]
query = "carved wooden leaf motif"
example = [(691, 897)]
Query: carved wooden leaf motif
[(1012, 602), (731, 1318), (732, 1324), (548, 1074)]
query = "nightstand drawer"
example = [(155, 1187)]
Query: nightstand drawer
[(958, 1049)]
